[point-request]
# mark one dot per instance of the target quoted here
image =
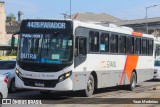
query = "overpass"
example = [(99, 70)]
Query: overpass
[(139, 25)]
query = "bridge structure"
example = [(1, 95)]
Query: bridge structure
[(139, 25)]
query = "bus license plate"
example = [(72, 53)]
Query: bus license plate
[(39, 84)]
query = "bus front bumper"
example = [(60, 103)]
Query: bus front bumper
[(65, 85)]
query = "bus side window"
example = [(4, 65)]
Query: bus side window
[(138, 46), (129, 45), (80, 47), (94, 41), (133, 46), (150, 47), (104, 44), (122, 44), (114, 43), (144, 46)]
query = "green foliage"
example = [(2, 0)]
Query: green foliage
[(11, 53), (11, 17)]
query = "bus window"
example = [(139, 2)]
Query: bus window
[(94, 41), (122, 44), (104, 45), (133, 46), (82, 46), (150, 49), (31, 48), (138, 46), (114, 43), (130, 45), (144, 46)]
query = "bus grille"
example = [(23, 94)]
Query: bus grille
[(32, 82)]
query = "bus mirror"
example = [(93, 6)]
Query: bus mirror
[(13, 42)]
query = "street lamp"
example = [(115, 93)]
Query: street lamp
[(70, 9), (66, 15), (147, 18)]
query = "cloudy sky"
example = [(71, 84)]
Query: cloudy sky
[(124, 9)]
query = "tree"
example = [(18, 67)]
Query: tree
[(11, 53), (11, 17)]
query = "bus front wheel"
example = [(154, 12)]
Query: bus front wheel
[(90, 86)]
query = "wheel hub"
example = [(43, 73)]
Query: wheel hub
[(89, 85)]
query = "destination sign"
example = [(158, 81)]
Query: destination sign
[(46, 25)]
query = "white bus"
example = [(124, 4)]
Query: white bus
[(157, 58), (66, 55)]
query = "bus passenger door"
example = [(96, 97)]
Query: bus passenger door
[(80, 50), (79, 63)]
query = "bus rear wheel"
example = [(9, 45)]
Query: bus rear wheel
[(1, 99), (132, 85), (90, 86)]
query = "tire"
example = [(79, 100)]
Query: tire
[(90, 86), (45, 92), (1, 99), (132, 85), (12, 87)]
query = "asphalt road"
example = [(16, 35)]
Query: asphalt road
[(103, 97)]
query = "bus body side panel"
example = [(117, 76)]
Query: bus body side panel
[(111, 67), (108, 70), (145, 68), (79, 77)]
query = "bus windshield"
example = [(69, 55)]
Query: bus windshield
[(53, 48)]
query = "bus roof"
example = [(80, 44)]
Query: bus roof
[(116, 29), (98, 26)]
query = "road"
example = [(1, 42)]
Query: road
[(149, 89)]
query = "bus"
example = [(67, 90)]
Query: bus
[(70, 55), (157, 58)]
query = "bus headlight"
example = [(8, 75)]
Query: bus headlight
[(65, 76), (19, 74)]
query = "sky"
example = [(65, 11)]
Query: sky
[(123, 9)]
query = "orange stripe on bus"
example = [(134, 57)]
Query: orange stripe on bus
[(130, 65), (137, 34)]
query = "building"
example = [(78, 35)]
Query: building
[(2, 24), (139, 25), (11, 28), (8, 26), (93, 17)]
